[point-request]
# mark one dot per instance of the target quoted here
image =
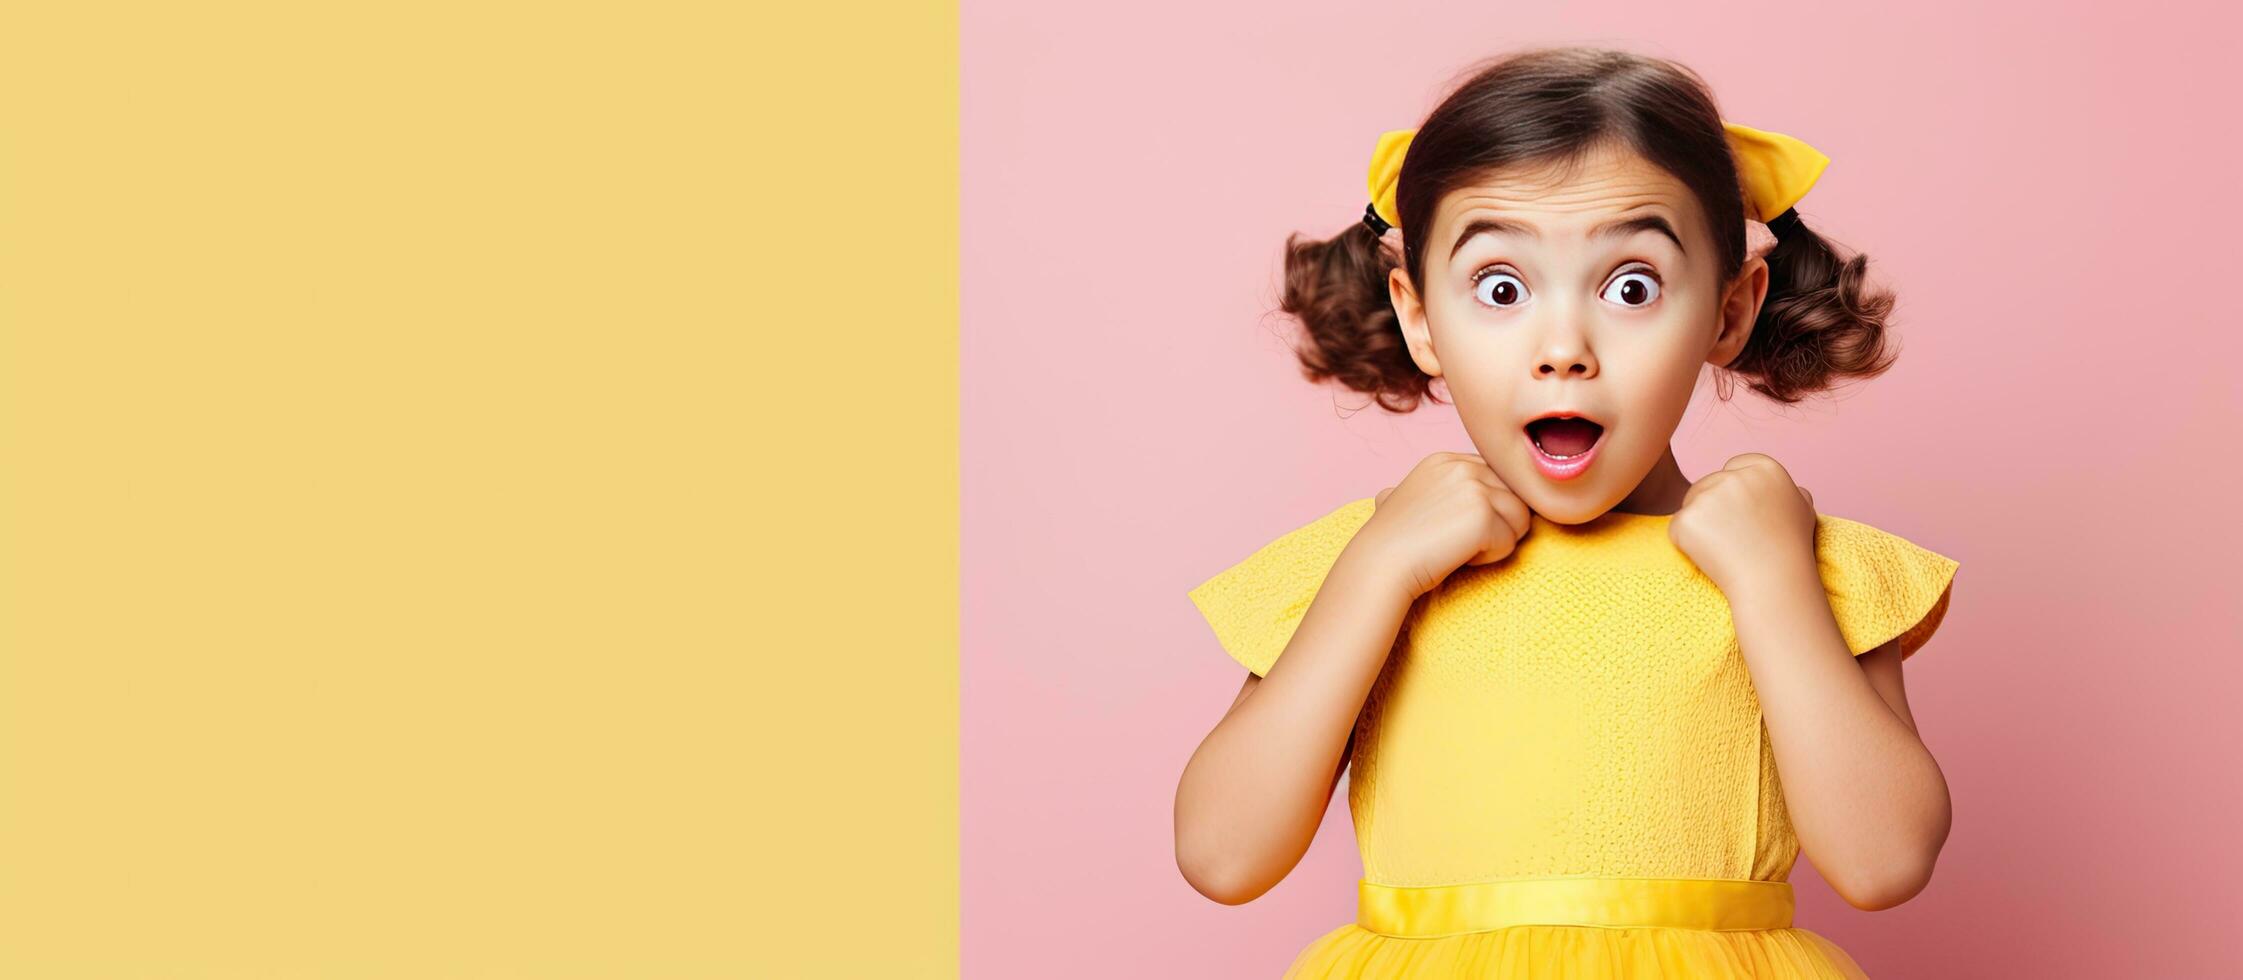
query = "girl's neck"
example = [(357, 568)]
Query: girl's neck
[(1661, 491)]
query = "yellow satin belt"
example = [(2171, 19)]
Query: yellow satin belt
[(1612, 901)]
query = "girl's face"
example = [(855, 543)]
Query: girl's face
[(1589, 294)]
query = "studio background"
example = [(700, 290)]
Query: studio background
[(2048, 192)]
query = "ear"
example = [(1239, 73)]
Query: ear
[(1411, 311), (1740, 307)]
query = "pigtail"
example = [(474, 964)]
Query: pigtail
[(1821, 321), (1337, 289)]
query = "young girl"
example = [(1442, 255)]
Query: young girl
[(1594, 708)]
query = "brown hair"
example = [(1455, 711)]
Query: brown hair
[(1820, 322)]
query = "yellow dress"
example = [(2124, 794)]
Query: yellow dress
[(1562, 770)]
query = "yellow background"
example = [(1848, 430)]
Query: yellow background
[(448, 452)]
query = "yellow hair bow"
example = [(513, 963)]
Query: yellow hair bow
[(1776, 171)]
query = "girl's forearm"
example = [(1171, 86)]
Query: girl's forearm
[(1255, 791), (1867, 799)]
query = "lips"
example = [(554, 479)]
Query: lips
[(1563, 443)]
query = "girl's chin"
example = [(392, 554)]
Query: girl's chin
[(1566, 503), (1570, 515)]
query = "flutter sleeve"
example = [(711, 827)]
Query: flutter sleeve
[(1254, 605), (1881, 585)]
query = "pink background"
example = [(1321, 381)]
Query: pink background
[(2051, 192)]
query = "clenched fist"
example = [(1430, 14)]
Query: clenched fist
[(1744, 518), (1451, 510)]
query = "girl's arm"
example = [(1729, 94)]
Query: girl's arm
[(1255, 791), (1347, 752), (1867, 799)]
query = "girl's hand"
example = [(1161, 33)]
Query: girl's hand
[(1746, 519), (1451, 510)]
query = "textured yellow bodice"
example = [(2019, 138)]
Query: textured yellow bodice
[(1580, 707)]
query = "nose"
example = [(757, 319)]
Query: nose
[(1565, 354)]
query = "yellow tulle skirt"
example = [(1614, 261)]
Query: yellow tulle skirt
[(1580, 928)]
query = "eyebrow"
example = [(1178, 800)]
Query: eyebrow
[(1610, 229)]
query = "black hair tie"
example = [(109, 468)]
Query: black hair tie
[(1371, 217), (1784, 225)]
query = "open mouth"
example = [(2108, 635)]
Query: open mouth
[(1564, 443)]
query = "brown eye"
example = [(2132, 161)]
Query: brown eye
[(1633, 289), (1498, 288)]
